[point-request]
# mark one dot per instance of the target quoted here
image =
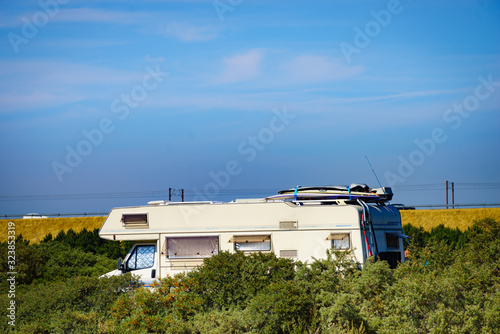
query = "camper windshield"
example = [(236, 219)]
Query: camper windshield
[(142, 257)]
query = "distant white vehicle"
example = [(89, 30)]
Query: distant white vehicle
[(301, 223), (33, 216)]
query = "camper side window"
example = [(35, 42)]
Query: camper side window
[(135, 220), (142, 257), (251, 243), (392, 240), (192, 247), (340, 240)]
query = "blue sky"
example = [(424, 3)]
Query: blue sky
[(110, 103)]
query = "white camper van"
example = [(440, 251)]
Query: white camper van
[(299, 223)]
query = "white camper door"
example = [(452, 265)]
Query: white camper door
[(143, 262)]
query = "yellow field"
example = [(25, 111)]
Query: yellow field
[(461, 218), (36, 229)]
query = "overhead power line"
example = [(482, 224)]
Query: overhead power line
[(129, 194), (84, 196), (412, 187), (164, 194), (440, 186)]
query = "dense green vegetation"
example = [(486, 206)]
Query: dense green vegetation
[(67, 255), (451, 284)]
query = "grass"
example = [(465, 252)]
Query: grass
[(36, 229)]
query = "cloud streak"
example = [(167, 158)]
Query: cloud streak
[(93, 15), (317, 68), (33, 83), (241, 67), (401, 96), (190, 33)]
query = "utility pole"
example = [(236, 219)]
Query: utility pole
[(452, 184), (447, 194), (176, 193), (453, 195)]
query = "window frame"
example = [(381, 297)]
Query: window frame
[(212, 241), (395, 238), (135, 220), (335, 236), (134, 253), (249, 239)]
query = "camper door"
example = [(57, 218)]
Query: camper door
[(143, 262)]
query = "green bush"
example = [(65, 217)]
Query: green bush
[(53, 262), (65, 262), (165, 308), (446, 290), (90, 242), (327, 274), (46, 307), (68, 255), (232, 279), (28, 263), (419, 237), (229, 321), (282, 307), (448, 286)]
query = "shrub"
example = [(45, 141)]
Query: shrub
[(63, 262), (446, 287), (68, 255), (327, 274), (45, 307), (339, 310), (232, 279), (419, 237), (282, 307), (446, 290), (220, 322), (166, 308), (29, 262), (90, 242)]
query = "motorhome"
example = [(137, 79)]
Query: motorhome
[(300, 223)]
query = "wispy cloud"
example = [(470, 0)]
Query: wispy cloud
[(241, 67), (34, 84), (41, 73), (318, 68), (307, 101), (155, 60), (191, 33), (84, 43), (28, 101), (400, 96), (99, 15)]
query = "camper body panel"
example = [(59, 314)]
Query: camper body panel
[(388, 242), (188, 218), (294, 230)]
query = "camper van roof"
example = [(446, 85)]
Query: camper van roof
[(162, 202), (316, 194)]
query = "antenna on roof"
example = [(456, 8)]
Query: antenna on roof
[(375, 174)]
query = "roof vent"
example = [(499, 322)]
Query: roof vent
[(289, 225), (157, 202)]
